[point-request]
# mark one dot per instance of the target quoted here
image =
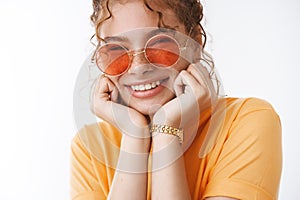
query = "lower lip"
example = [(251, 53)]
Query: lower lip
[(147, 93)]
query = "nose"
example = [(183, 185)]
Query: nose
[(139, 63)]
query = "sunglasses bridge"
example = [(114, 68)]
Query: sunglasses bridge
[(134, 53)]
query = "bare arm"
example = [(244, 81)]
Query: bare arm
[(168, 175), (169, 179), (130, 179)]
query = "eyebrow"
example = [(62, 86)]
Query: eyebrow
[(126, 39), (116, 39), (158, 31)]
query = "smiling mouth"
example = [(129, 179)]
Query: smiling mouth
[(147, 86)]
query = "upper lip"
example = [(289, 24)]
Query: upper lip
[(143, 82)]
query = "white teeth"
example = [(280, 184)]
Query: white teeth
[(148, 86), (144, 87), (153, 85)]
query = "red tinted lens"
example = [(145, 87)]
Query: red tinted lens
[(162, 51), (112, 59)]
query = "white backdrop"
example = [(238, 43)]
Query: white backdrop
[(254, 43)]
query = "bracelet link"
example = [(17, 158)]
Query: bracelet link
[(168, 130)]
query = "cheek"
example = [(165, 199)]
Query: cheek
[(181, 65), (122, 93), (114, 80)]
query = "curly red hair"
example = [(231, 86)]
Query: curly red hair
[(188, 12)]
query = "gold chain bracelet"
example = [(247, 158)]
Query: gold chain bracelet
[(168, 130)]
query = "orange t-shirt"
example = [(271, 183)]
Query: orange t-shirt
[(237, 154)]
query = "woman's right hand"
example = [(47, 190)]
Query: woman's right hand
[(106, 105)]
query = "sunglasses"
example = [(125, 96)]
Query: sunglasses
[(161, 50)]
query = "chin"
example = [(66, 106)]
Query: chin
[(150, 106), (148, 110)]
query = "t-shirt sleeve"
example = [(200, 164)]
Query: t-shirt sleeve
[(85, 184), (249, 165)]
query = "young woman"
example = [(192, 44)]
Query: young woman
[(166, 132)]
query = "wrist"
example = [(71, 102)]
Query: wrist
[(134, 155), (166, 149), (135, 145), (166, 133)]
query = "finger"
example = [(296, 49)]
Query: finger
[(185, 83), (114, 94), (110, 88), (97, 83), (197, 72), (106, 89), (178, 85), (203, 77), (102, 95)]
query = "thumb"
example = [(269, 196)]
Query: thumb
[(179, 85)]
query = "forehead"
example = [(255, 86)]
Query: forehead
[(134, 15)]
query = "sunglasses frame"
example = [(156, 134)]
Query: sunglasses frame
[(132, 53)]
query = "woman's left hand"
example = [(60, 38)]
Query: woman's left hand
[(194, 93)]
